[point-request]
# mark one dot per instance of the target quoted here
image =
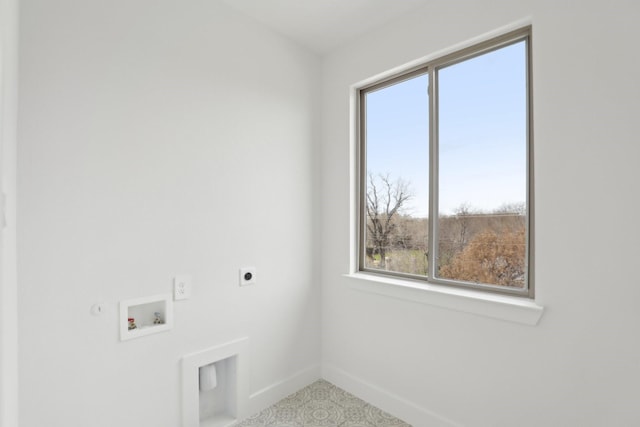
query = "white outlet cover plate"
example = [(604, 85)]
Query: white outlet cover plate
[(181, 287), (248, 270)]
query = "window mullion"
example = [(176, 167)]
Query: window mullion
[(362, 179), (433, 173)]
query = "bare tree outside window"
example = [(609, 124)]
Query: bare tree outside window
[(385, 199)]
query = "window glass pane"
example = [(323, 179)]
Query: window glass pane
[(482, 169), (397, 177)]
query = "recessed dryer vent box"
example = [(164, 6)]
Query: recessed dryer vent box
[(144, 316)]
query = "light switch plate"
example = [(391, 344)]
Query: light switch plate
[(181, 287)]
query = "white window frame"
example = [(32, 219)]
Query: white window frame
[(430, 281)]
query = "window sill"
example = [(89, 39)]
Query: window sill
[(513, 309)]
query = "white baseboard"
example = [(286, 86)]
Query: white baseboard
[(269, 395), (404, 409)]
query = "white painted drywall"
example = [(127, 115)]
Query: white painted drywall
[(580, 365), (8, 280), (158, 138)]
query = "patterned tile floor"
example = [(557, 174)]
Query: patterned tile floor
[(322, 404)]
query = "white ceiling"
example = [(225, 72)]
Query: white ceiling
[(322, 25)]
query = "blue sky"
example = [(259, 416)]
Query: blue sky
[(482, 133)]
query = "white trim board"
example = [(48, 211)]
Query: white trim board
[(397, 406)]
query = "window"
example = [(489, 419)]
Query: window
[(445, 170)]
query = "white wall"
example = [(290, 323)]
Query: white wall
[(579, 366), (156, 138), (8, 280)]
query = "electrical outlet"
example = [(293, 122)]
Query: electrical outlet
[(181, 287), (247, 276)]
